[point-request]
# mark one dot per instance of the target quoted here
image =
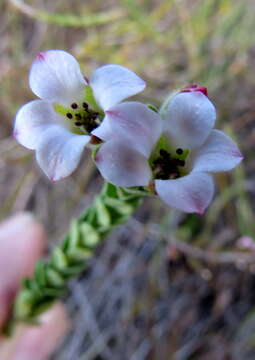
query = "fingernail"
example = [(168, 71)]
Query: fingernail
[(15, 222)]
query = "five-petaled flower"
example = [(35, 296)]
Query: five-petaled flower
[(71, 108), (175, 151)]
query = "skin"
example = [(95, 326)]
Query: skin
[(22, 242)]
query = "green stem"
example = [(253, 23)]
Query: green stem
[(113, 206)]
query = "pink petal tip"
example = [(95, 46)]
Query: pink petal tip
[(195, 87), (40, 56), (238, 154), (53, 180)]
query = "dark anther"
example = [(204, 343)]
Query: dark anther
[(167, 167), (85, 105), (78, 116), (74, 106), (90, 127), (77, 123), (69, 115), (181, 162), (164, 153), (94, 116)]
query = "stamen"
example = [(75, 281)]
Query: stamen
[(83, 116), (181, 162), (94, 116), (78, 116), (167, 167), (85, 106), (164, 153)]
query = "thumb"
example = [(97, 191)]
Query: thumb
[(37, 342), (22, 242)]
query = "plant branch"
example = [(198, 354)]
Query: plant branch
[(113, 206)]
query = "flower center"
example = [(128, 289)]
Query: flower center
[(84, 118), (80, 118), (168, 162), (166, 166)]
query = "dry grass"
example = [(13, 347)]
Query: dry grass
[(181, 287)]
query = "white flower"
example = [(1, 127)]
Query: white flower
[(177, 151), (60, 125)]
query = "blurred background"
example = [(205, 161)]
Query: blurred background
[(167, 286)]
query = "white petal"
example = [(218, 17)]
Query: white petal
[(137, 125), (218, 153), (121, 165), (32, 120), (59, 152), (55, 75), (103, 131), (189, 119), (192, 193), (113, 83)]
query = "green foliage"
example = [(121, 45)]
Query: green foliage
[(70, 20)]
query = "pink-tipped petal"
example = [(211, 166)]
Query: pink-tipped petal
[(32, 120), (191, 193), (137, 125), (59, 152), (189, 119), (195, 87), (113, 83), (218, 153), (55, 75), (121, 165)]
